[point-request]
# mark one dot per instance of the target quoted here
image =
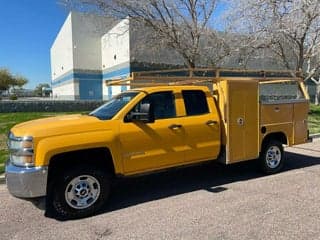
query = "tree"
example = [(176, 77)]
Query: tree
[(39, 88), (7, 80), (20, 81), (179, 24), (290, 30)]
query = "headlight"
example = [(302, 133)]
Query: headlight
[(20, 143), (21, 150), (22, 161)]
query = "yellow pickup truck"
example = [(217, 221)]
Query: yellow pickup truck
[(72, 160)]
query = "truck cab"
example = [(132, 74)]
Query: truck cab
[(183, 127)]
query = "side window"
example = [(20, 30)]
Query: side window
[(195, 102), (163, 104), (285, 91)]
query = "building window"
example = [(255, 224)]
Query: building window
[(115, 57)]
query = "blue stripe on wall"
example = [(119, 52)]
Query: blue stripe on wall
[(87, 75), (80, 76), (119, 73), (123, 72), (116, 73), (61, 82), (90, 84), (109, 92), (124, 88)]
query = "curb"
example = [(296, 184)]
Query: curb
[(316, 135), (2, 179)]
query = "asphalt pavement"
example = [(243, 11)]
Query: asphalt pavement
[(210, 201)]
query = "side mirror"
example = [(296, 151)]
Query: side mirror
[(145, 114)]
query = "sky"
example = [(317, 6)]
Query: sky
[(27, 31)]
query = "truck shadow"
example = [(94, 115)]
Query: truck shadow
[(209, 176)]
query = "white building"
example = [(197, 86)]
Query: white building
[(76, 57), (90, 50), (115, 52)]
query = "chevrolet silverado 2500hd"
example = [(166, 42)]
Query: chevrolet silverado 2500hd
[(73, 159)]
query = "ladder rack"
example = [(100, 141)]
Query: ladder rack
[(186, 76)]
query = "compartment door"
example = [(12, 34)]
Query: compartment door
[(300, 111), (243, 121)]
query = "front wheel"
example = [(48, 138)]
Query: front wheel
[(272, 157), (80, 192)]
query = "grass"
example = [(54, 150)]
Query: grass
[(314, 119), (3, 159), (8, 120)]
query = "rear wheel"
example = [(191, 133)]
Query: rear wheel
[(272, 157), (80, 192)]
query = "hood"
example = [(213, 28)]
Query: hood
[(60, 125)]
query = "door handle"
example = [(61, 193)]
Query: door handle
[(175, 126), (211, 122)]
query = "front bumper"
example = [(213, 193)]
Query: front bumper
[(26, 182)]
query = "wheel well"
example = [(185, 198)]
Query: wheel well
[(280, 136), (100, 157)]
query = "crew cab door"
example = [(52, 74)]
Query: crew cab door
[(201, 126), (154, 145)]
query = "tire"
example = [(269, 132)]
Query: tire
[(272, 157), (80, 192)]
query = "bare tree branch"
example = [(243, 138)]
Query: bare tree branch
[(181, 24)]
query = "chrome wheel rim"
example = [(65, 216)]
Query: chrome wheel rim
[(273, 157), (82, 192)]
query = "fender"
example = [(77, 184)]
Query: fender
[(283, 128), (46, 148)]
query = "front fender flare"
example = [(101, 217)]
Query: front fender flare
[(48, 147)]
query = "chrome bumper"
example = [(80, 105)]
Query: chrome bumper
[(26, 182)]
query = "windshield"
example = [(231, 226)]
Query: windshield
[(112, 107)]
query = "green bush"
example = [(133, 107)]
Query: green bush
[(13, 97)]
